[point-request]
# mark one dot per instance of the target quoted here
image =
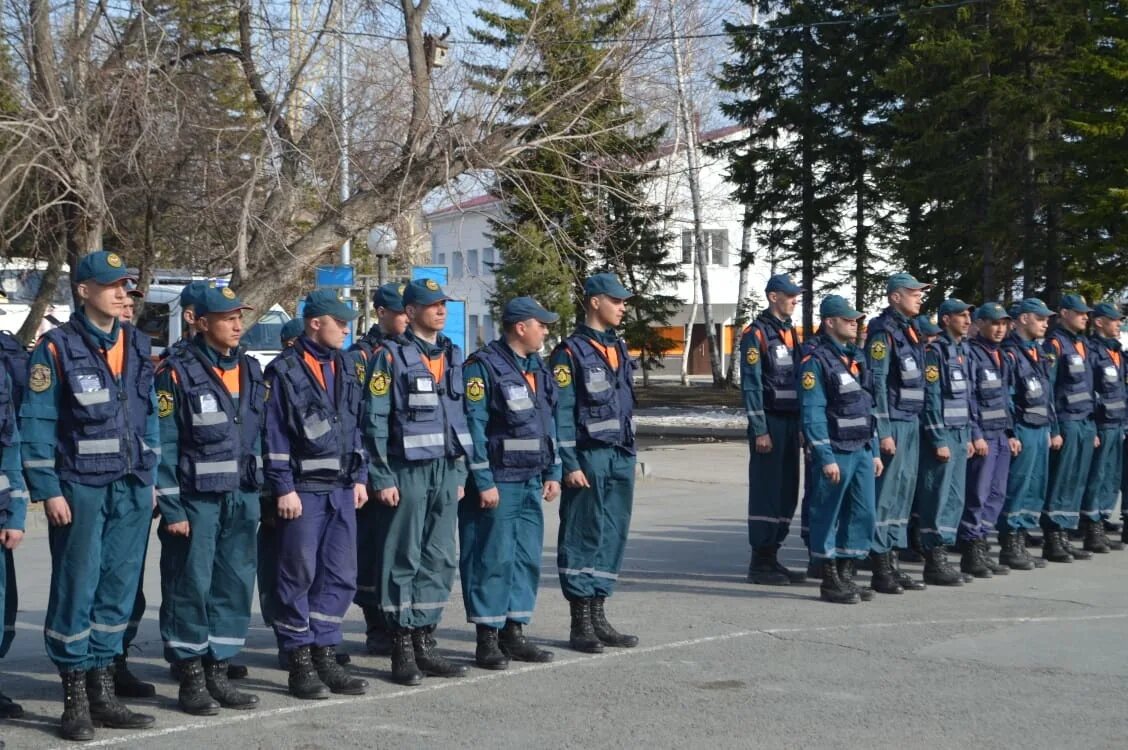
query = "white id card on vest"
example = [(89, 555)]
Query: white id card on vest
[(208, 404), (845, 378), (424, 385), (90, 382)]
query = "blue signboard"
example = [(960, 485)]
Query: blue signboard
[(335, 277)]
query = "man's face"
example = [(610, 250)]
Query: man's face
[(127, 308), (609, 310), (783, 303), (958, 324), (531, 333), (1107, 327), (842, 329), (107, 299), (392, 323), (994, 330), (328, 331), (1033, 326), (1074, 321), (223, 330), (907, 301), (428, 317)]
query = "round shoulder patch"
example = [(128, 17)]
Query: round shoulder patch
[(753, 355), (432, 285), (808, 380), (39, 379), (932, 373), (475, 389), (563, 375), (113, 260), (400, 289), (360, 371), (877, 349), (380, 384), (228, 293), (165, 403)]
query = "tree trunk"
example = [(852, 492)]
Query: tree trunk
[(49, 281), (744, 296), (807, 210)]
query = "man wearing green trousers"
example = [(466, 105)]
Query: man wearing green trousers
[(1111, 416), (13, 514), (595, 400)]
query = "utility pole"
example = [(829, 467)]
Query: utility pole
[(343, 92)]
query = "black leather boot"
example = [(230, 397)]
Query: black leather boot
[(847, 569), (582, 636), (764, 568), (304, 682), (105, 709), (1111, 542), (604, 631), (883, 581), (915, 551), (936, 569), (907, 582), (833, 589), (1093, 534), (489, 655), (76, 723), (377, 640), (216, 678), (513, 643), (1053, 546), (126, 684), (404, 669), (1012, 553), (1075, 553), (985, 553), (333, 675), (427, 655), (971, 559), (194, 697), (9, 709), (1024, 540)]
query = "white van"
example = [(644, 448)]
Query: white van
[(161, 320), (20, 279)]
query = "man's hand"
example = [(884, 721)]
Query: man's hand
[(551, 490), (58, 511), (1015, 446), (970, 450), (833, 473), (460, 493), (180, 528), (980, 447), (360, 495), (943, 454), (576, 479), (1056, 442), (488, 499), (888, 446), (389, 496), (289, 506), (763, 443), (1096, 441), (10, 538), (878, 467)]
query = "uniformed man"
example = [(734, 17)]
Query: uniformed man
[(417, 437), (89, 423), (14, 356), (128, 308), (838, 426), (595, 401), (1033, 414), (316, 468), (211, 398), (1111, 416), (948, 431), (914, 553), (13, 514), (513, 470), (391, 321), (291, 329), (995, 444), (895, 356), (1073, 433), (769, 357), (928, 329)]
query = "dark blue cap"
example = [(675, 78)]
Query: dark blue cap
[(326, 302), (1107, 310), (102, 267), (834, 306), (423, 292), (1014, 310), (991, 311), (389, 296), (523, 308), (925, 325), (292, 328), (192, 293), (216, 300), (1034, 305), (951, 306), (132, 290), (1075, 303), (782, 282), (903, 281), (606, 283)]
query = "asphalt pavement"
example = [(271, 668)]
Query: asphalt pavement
[(1034, 660)]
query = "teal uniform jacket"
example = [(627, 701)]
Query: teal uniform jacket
[(812, 406), (13, 518)]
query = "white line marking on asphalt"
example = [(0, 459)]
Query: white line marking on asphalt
[(436, 684)]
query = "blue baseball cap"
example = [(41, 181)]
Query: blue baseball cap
[(102, 267), (132, 290), (1107, 310), (835, 306), (782, 282), (991, 311), (192, 293), (951, 306), (1035, 306), (1014, 310), (389, 296), (903, 281), (326, 302), (292, 328), (925, 325), (1075, 303), (216, 300), (523, 308), (423, 292), (606, 283)]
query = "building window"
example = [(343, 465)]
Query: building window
[(687, 247), (474, 336), (456, 265), (487, 261), (440, 259), (488, 332), (471, 262), (716, 246)]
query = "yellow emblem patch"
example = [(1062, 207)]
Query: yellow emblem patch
[(39, 379), (400, 289), (877, 350), (475, 389), (360, 371), (379, 384), (753, 355), (164, 404), (431, 284), (228, 293), (113, 260), (808, 380), (932, 373), (563, 375)]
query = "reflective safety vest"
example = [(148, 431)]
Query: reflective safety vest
[(7, 439), (779, 366), (849, 406), (1073, 386), (519, 430), (428, 421), (955, 382), (16, 358), (905, 382), (604, 395), (218, 439), (102, 420), (1031, 383), (990, 387), (1108, 383), (322, 426)]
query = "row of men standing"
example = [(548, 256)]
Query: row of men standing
[(928, 438), (211, 445)]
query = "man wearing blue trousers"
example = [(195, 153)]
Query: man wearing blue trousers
[(514, 470), (1111, 416)]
